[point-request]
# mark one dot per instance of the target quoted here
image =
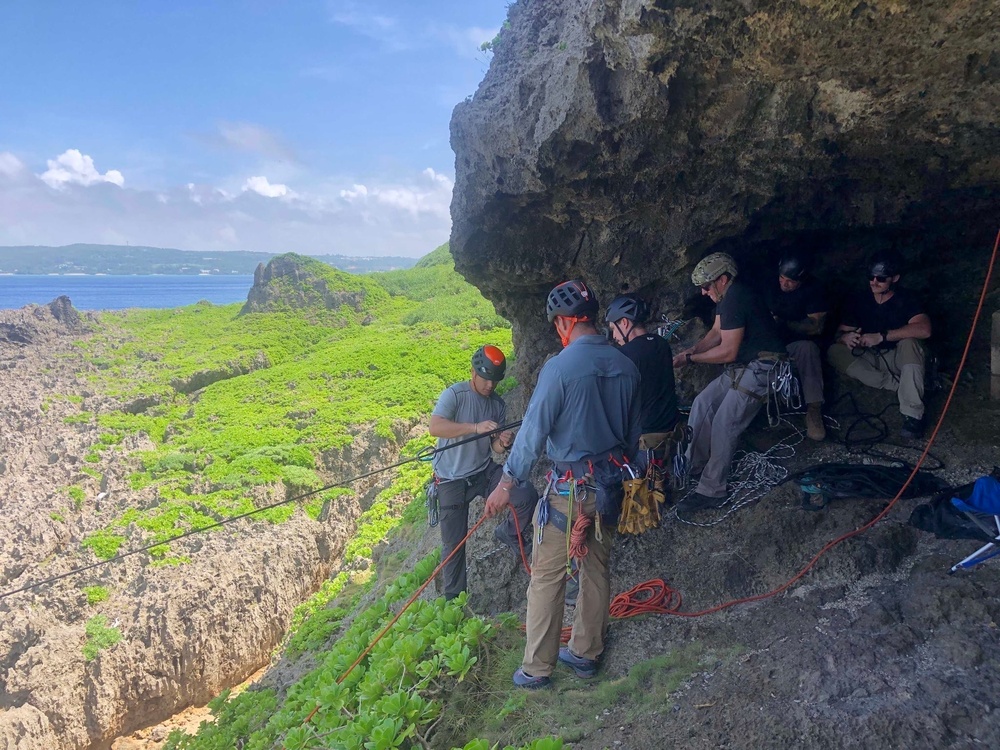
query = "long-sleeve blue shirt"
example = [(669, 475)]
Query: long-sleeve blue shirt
[(586, 404)]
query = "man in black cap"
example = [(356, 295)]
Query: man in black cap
[(799, 306), (880, 340)]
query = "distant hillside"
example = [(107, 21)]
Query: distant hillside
[(128, 260)]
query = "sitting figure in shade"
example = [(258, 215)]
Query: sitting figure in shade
[(745, 341), (880, 337), (799, 305)]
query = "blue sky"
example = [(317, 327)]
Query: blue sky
[(318, 126)]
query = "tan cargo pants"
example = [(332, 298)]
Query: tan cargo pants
[(547, 590), (900, 369)]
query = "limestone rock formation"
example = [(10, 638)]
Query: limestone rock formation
[(623, 140), (292, 281)]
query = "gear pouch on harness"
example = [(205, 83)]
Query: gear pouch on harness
[(433, 502), (609, 491)]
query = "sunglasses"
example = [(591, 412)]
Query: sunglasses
[(879, 279), (706, 287)]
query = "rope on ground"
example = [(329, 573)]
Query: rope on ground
[(755, 474)]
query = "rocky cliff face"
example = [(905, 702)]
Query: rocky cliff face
[(188, 632), (622, 140)]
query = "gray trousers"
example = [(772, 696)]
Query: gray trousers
[(719, 415), (805, 355), (900, 369), (454, 498)]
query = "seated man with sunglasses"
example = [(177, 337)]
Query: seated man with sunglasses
[(879, 340)]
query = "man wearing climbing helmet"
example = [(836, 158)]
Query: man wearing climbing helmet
[(626, 317), (880, 340), (799, 306), (584, 412), (744, 339), (466, 471)]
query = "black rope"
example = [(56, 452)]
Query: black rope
[(858, 442), (425, 454)]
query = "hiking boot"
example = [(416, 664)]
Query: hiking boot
[(524, 680), (697, 501), (912, 428), (815, 429), (585, 669)]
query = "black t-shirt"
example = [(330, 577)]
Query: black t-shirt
[(657, 397), (742, 308), (808, 299), (865, 313)]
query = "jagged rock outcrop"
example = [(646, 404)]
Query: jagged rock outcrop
[(292, 282), (623, 140), (38, 323)]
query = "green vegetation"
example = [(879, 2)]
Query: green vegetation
[(77, 495), (99, 636), (242, 411), (96, 594), (390, 699), (235, 403)]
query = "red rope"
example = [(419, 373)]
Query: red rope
[(578, 536)]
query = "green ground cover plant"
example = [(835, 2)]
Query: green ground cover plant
[(287, 392), (96, 594), (393, 698), (99, 636)]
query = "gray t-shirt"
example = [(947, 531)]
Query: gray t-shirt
[(460, 403)]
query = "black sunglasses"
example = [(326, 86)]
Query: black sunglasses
[(706, 287), (879, 279)]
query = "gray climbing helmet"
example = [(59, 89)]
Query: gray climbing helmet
[(571, 299), (628, 307)]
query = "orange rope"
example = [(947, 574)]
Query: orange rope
[(578, 536)]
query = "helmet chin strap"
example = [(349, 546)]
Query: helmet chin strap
[(573, 320)]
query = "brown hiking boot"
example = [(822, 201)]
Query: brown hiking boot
[(815, 430)]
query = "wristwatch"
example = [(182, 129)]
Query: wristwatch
[(688, 357)]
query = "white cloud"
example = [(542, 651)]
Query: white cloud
[(416, 199), (73, 168), (261, 186), (10, 165), (245, 136), (385, 30), (346, 214)]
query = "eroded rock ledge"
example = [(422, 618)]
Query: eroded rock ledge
[(623, 140)]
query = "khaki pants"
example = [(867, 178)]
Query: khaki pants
[(900, 369), (805, 355), (547, 590)]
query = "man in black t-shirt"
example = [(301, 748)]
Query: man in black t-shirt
[(879, 341), (799, 306), (744, 339), (626, 318)]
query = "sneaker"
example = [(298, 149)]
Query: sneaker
[(815, 429), (697, 501), (524, 680), (912, 428), (585, 669)]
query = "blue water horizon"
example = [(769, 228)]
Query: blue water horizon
[(113, 292)]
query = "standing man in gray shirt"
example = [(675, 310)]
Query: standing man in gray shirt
[(585, 414), (467, 471)]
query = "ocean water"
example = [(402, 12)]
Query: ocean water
[(119, 292)]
